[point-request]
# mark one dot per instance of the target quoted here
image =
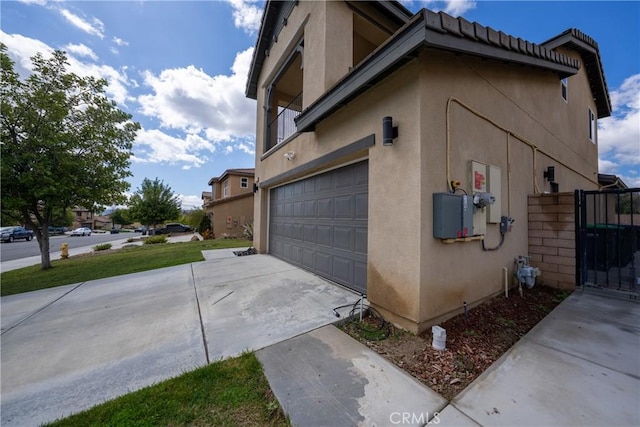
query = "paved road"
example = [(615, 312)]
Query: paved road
[(23, 249)]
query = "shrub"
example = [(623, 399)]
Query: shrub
[(155, 240), (102, 247), (208, 235), (247, 231)]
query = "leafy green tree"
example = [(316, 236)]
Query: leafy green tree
[(193, 218), (62, 217), (629, 203), (121, 217), (205, 224), (154, 203), (64, 144)]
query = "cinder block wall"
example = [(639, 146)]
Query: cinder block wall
[(552, 238)]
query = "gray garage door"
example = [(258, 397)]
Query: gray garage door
[(320, 224)]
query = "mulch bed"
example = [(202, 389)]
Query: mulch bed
[(473, 342)]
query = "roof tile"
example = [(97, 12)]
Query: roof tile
[(504, 39), (433, 21), (466, 28), (450, 24), (494, 36), (481, 32)]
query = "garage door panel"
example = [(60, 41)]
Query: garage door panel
[(325, 235), (343, 238), (310, 233), (343, 179), (361, 236), (298, 232), (360, 275), (324, 264), (309, 258), (362, 206), (324, 182), (343, 207), (320, 223), (310, 209), (325, 208), (343, 269)]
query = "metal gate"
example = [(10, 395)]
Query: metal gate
[(608, 241)]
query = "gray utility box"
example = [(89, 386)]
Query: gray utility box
[(452, 215)]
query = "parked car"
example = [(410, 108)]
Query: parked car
[(176, 227), (115, 230), (9, 234), (82, 231)]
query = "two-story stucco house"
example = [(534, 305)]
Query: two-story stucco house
[(230, 202), (395, 151)]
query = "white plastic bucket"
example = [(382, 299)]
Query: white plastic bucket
[(439, 337)]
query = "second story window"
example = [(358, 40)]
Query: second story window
[(284, 99), (225, 188), (564, 89), (244, 182), (592, 126)]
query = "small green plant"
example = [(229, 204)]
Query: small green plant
[(470, 333), (509, 323), (153, 240), (562, 296), (102, 247)]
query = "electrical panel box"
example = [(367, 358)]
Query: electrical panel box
[(494, 211), (478, 184), (452, 215)]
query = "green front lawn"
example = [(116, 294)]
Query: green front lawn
[(233, 392), (103, 264)]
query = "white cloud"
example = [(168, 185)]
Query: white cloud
[(452, 7), (619, 134), (247, 147), (81, 50), (189, 100), (21, 49), (38, 2), (95, 27), (155, 146), (120, 42), (247, 15), (190, 201)]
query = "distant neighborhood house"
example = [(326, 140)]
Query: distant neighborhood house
[(229, 205)]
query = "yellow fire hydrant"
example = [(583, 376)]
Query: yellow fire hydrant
[(64, 251)]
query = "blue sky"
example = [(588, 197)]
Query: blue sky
[(180, 68)]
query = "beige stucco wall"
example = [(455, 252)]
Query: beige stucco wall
[(240, 212), (528, 104), (414, 279)]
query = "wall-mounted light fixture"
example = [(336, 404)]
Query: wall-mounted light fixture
[(255, 187), (389, 131), (290, 155), (550, 174)]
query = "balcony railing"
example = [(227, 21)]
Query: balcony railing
[(283, 126)]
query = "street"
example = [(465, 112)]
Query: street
[(23, 249)]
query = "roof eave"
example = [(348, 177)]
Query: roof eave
[(587, 48), (428, 29)]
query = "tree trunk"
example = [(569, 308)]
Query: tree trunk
[(43, 242)]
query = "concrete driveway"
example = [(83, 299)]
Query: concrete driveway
[(69, 348)]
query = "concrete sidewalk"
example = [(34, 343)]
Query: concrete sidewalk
[(69, 348)]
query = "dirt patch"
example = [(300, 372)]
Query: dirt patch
[(473, 343)]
